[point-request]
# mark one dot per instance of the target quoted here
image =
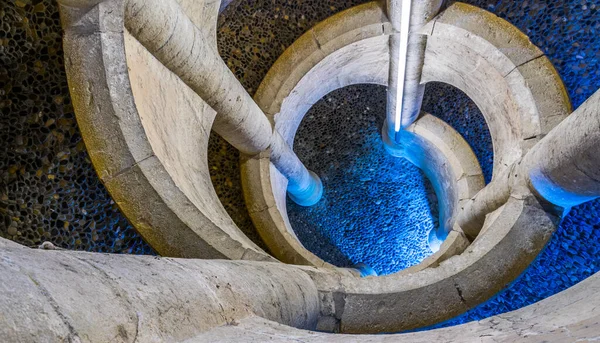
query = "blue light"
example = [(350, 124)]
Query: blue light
[(377, 209)]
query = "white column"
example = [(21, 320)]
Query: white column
[(407, 53)]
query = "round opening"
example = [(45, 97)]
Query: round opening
[(377, 210)]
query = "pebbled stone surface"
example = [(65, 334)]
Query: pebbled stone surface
[(376, 209), (49, 190)]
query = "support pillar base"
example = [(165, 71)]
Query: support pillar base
[(307, 196)]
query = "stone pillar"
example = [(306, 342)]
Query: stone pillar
[(304, 186), (487, 200), (190, 52), (564, 167), (406, 81), (67, 296), (164, 29)]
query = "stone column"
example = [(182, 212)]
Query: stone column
[(564, 167), (304, 186), (190, 52), (165, 30), (406, 81), (487, 200)]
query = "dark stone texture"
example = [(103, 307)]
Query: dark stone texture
[(49, 190)]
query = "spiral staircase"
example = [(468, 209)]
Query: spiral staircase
[(148, 85)]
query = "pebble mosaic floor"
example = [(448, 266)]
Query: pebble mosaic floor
[(376, 209)]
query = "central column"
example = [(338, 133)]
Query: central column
[(405, 94), (407, 53)]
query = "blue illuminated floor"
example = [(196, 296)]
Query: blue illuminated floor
[(376, 209)]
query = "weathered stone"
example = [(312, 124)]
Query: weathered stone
[(82, 297), (502, 71), (288, 91)]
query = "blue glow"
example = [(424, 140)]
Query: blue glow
[(554, 193), (435, 166), (364, 270), (377, 209), (572, 255), (308, 196)]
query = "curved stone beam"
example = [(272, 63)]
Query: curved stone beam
[(450, 165), (462, 159), (515, 86), (63, 295), (572, 315), (517, 232), (67, 296), (147, 133), (436, 167), (204, 16), (335, 33)]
